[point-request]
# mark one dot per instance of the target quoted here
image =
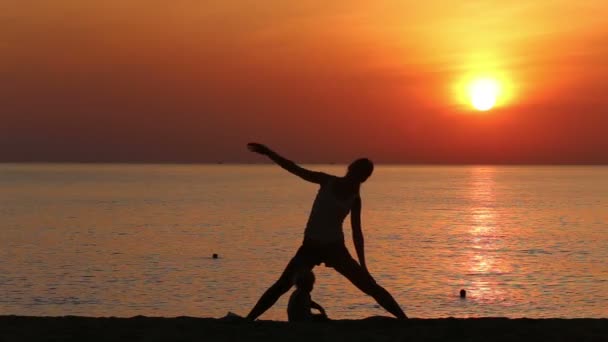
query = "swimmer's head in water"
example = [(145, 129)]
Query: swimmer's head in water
[(360, 169), (304, 280)]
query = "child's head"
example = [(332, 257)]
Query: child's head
[(304, 280)]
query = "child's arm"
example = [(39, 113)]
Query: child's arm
[(314, 305)]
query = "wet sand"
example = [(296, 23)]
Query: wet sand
[(70, 328)]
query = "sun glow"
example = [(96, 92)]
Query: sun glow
[(483, 93)]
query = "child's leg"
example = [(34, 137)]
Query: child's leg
[(319, 318)]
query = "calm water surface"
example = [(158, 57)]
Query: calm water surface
[(125, 240)]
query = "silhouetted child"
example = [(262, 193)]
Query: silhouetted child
[(300, 302)]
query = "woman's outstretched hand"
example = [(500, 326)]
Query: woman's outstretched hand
[(258, 148)]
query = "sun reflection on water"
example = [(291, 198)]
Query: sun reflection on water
[(484, 267)]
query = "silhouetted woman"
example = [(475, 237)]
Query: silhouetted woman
[(324, 238)]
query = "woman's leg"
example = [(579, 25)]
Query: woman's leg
[(361, 278), (280, 287)]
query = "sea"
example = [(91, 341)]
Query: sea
[(125, 240)]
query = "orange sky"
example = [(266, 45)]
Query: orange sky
[(193, 81)]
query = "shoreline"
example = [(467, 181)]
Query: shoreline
[(140, 328)]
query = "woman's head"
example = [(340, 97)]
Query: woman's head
[(360, 170)]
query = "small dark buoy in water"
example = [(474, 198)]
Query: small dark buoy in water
[(463, 294), (214, 255)]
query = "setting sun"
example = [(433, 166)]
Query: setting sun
[(483, 93)]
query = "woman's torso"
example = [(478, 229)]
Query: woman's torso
[(328, 213)]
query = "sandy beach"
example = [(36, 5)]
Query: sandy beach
[(71, 328)]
